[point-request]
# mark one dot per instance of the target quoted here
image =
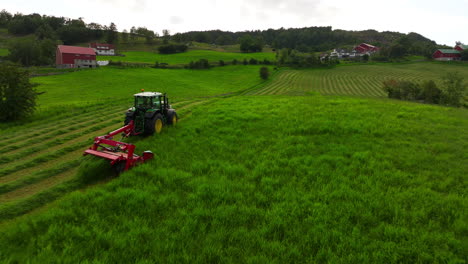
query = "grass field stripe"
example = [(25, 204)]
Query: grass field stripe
[(46, 144), (284, 80), (30, 165), (57, 136), (51, 128), (38, 176), (291, 80), (38, 186), (62, 119)]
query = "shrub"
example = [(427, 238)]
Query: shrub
[(430, 93), (17, 94), (200, 64), (266, 62), (453, 89), (264, 73), (245, 62), (234, 62), (392, 89), (403, 90), (253, 61), (172, 48), (221, 63)]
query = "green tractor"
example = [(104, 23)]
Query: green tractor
[(150, 113)]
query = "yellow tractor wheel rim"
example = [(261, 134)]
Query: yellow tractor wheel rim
[(158, 126), (174, 120)]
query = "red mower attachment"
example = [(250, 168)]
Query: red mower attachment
[(120, 154)]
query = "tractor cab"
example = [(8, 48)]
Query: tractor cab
[(149, 100)]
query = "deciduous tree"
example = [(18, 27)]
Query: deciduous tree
[(17, 94)]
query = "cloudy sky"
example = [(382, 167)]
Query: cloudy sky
[(442, 21)]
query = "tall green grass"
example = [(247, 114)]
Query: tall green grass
[(273, 180)]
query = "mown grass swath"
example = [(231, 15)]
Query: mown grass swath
[(360, 80), (272, 179)]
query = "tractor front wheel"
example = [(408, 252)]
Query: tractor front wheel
[(154, 125)]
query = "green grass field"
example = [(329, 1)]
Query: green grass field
[(107, 83), (186, 57), (242, 178)]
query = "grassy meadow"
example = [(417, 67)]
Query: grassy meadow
[(109, 83), (334, 180), (320, 168), (186, 57)]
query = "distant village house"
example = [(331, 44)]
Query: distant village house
[(103, 49), (357, 51), (446, 55), (75, 57), (449, 54), (365, 48)]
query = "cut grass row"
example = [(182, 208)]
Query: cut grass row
[(55, 137), (15, 167), (361, 80), (69, 116), (53, 168)]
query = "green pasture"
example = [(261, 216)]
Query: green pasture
[(271, 179), (355, 80), (186, 57), (108, 83)]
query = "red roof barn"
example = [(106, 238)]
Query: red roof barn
[(365, 48), (75, 57), (446, 54), (103, 49)]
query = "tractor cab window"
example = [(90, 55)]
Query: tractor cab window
[(143, 101), (156, 102)]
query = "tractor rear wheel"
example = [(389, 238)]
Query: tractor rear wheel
[(154, 125), (172, 118)]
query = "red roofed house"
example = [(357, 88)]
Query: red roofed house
[(75, 57), (103, 49), (461, 47), (446, 54), (365, 48)]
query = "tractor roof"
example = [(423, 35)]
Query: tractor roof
[(148, 94)]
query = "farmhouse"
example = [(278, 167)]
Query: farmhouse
[(365, 48), (74, 57), (461, 47), (446, 55), (103, 49)]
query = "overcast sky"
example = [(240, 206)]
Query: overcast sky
[(443, 21)]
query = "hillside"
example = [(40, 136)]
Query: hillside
[(307, 39)]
